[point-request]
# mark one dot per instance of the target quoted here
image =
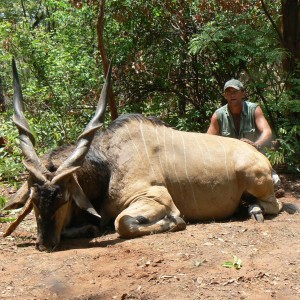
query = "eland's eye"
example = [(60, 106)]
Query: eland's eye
[(56, 194)]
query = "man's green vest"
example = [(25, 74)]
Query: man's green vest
[(248, 129)]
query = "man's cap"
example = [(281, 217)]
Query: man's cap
[(234, 83)]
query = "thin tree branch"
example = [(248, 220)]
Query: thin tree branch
[(272, 22), (23, 8), (2, 100), (38, 18)]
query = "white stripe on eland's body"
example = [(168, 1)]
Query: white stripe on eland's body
[(200, 145), (174, 164), (207, 149), (225, 158), (165, 148), (205, 158), (158, 142), (224, 151), (137, 149), (185, 166), (206, 162), (134, 145), (159, 157), (146, 150)]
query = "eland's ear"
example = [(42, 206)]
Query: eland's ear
[(59, 176), (20, 199), (80, 198)]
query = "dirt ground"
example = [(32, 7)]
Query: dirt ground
[(180, 265)]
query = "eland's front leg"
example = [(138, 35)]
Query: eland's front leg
[(151, 211)]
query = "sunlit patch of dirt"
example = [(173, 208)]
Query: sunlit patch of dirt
[(180, 265)]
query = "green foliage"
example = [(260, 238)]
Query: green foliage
[(2, 201), (10, 161), (287, 112), (6, 219), (3, 214), (58, 72), (287, 154), (249, 48), (236, 263)]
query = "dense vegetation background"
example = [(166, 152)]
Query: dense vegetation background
[(171, 59)]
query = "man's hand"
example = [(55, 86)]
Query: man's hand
[(255, 145)]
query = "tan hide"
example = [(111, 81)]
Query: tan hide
[(205, 175)]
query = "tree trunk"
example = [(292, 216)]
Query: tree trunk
[(291, 32), (100, 26), (2, 101)]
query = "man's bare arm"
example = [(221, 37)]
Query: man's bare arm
[(214, 127), (263, 127)]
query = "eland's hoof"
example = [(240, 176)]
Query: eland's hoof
[(179, 224), (256, 213), (290, 208)]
